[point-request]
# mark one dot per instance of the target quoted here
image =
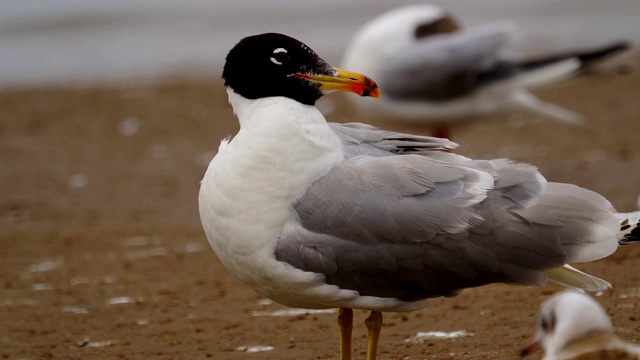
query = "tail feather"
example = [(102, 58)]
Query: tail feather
[(629, 228), (574, 279)]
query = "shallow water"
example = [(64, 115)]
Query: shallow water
[(43, 41)]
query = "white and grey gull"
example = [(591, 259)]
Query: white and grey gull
[(434, 71), (573, 326), (321, 215)]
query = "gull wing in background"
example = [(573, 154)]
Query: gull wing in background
[(431, 70)]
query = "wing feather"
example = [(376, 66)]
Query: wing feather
[(413, 226), (443, 67)]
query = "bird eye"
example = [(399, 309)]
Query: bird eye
[(544, 324), (280, 56), (547, 324)]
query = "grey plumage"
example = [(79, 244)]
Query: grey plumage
[(445, 67), (455, 64), (363, 139), (413, 226)]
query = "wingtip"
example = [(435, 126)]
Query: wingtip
[(571, 278), (629, 228), (614, 48)]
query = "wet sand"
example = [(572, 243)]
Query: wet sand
[(103, 255)]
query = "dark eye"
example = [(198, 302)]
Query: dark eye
[(280, 56), (547, 324)]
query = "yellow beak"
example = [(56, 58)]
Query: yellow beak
[(345, 81)]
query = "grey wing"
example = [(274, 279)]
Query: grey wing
[(411, 227), (363, 139), (583, 222), (443, 67)]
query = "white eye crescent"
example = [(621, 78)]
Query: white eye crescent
[(279, 56)]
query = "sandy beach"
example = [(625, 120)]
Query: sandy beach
[(103, 255)]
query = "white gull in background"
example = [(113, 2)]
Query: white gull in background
[(432, 70), (574, 326), (318, 215)]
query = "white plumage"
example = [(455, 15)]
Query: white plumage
[(574, 326)]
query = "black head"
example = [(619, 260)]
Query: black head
[(277, 65)]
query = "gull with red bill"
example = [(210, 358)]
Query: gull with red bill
[(322, 215)]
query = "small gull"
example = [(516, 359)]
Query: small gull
[(432, 70), (317, 215), (574, 326)]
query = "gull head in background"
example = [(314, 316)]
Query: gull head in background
[(573, 325)]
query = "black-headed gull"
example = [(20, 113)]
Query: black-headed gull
[(433, 71), (319, 215)]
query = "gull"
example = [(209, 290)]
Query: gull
[(433, 71), (319, 215), (574, 326)]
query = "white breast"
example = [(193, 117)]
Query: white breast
[(248, 191)]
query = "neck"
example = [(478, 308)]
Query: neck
[(245, 109), (252, 184), (286, 135), (283, 146)]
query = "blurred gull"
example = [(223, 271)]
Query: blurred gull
[(574, 326), (431, 70), (321, 215)]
